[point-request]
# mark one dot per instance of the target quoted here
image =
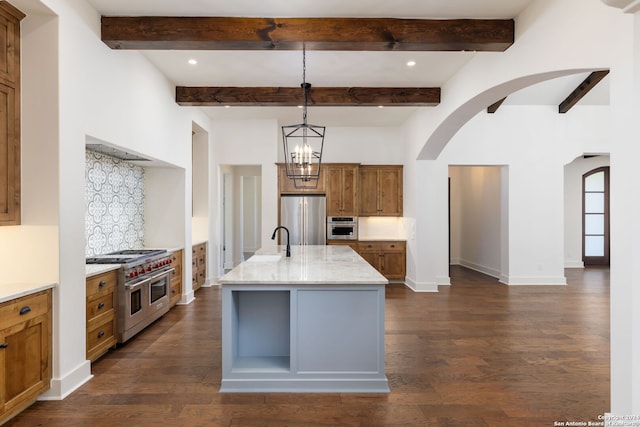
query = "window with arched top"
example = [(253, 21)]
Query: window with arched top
[(595, 217)]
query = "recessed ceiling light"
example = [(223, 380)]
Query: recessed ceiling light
[(380, 106), (227, 106), (411, 63), (193, 62)]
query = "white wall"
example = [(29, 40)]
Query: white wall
[(74, 86), (366, 145), (248, 142), (573, 207)]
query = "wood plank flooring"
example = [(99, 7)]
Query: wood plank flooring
[(477, 353)]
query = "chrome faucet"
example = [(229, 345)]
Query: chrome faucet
[(274, 236)]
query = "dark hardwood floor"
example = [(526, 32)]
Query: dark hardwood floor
[(477, 353)]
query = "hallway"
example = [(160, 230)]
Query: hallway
[(478, 353)]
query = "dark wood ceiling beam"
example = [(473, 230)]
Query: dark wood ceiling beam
[(589, 83), (340, 34), (316, 96), (494, 107)]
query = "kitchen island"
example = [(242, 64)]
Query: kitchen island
[(313, 322)]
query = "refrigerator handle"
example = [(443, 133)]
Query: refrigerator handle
[(304, 220)]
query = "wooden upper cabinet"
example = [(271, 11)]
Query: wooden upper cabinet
[(10, 18), (342, 189), (380, 190), (287, 186)]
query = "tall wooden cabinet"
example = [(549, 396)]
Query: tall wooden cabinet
[(380, 190), (341, 182), (25, 351), (10, 18)]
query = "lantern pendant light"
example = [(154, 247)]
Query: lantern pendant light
[(303, 144)]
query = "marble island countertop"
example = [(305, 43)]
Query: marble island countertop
[(311, 265)]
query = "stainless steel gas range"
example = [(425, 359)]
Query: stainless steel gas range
[(144, 280)]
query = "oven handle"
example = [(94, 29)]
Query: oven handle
[(149, 279)]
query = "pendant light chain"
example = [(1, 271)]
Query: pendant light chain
[(304, 84)]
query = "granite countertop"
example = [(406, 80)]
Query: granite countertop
[(9, 291), (308, 265)]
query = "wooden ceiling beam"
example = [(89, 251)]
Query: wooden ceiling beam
[(340, 34), (494, 107), (589, 83), (316, 96)]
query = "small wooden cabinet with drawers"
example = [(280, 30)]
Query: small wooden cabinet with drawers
[(176, 278), (102, 305), (25, 351), (389, 258), (199, 265)]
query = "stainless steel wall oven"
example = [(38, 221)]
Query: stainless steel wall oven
[(342, 228)]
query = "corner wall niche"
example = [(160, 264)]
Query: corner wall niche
[(114, 216)]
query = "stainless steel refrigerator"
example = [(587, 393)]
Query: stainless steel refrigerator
[(305, 217)]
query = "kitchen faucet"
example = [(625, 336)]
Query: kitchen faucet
[(274, 236)]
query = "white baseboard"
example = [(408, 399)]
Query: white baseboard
[(573, 264), (421, 286), (63, 387), (533, 280), (489, 271), (443, 281), (187, 299)]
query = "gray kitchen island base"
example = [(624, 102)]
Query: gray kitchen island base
[(303, 337)]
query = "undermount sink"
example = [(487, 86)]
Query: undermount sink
[(265, 258)]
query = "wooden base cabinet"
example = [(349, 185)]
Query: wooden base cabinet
[(389, 258), (176, 278), (25, 351), (102, 304), (199, 264)]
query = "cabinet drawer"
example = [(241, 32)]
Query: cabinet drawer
[(30, 306), (392, 246), (100, 338), (101, 284), (369, 246), (100, 305)]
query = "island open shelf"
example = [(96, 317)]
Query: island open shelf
[(261, 337), (310, 323)]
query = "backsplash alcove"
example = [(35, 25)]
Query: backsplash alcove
[(114, 191)]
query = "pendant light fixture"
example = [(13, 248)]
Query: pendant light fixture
[(303, 144)]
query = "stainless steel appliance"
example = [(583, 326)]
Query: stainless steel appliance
[(305, 217), (144, 280), (342, 228)]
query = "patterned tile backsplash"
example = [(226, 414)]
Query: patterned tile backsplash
[(114, 204)]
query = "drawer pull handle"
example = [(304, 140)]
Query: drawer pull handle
[(102, 283), (25, 310), (393, 246), (101, 305), (100, 334), (4, 345)]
